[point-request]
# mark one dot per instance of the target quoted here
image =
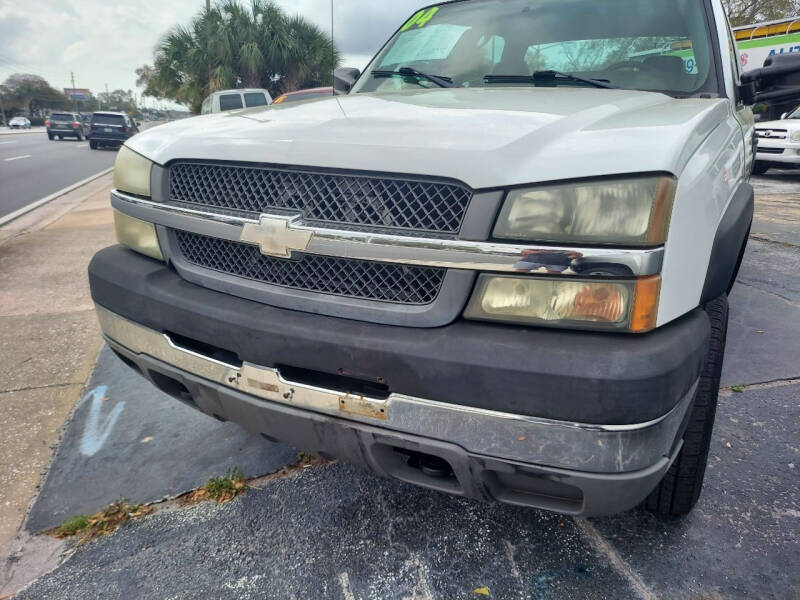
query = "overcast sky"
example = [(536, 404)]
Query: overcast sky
[(103, 41)]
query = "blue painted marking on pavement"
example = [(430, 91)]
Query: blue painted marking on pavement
[(95, 435)]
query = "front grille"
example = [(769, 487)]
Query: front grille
[(324, 198), (775, 134), (763, 150), (322, 274)]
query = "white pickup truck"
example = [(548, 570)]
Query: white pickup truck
[(496, 264)]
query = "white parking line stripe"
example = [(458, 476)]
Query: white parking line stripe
[(81, 146), (17, 157), (12, 142)]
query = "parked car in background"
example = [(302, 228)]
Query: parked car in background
[(61, 125), (111, 129), (778, 143), (19, 123), (304, 95), (235, 99)]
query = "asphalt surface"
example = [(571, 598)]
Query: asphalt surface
[(32, 167), (339, 532)]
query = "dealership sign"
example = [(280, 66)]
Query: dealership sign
[(78, 94), (753, 53)]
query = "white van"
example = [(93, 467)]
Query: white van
[(235, 99)]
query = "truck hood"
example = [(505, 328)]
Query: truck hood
[(483, 137)]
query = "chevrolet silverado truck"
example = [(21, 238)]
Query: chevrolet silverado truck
[(495, 264)]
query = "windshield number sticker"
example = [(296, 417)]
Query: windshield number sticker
[(421, 18)]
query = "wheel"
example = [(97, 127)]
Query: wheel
[(80, 136), (59, 137), (760, 167), (679, 491), (92, 145), (50, 136)]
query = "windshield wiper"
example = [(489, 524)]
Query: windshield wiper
[(439, 80), (547, 77)]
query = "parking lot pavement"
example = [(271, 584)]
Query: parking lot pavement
[(128, 441), (339, 532)]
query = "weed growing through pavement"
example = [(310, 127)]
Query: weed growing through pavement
[(86, 528)]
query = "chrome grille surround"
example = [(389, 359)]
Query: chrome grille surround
[(351, 200), (367, 280)]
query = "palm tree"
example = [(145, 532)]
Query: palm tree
[(232, 45)]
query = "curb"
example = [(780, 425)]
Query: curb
[(34, 205), (4, 131)]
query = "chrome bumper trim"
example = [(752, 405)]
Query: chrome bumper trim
[(279, 235), (577, 446)]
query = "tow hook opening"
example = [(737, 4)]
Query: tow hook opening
[(430, 465)]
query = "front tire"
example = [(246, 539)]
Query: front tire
[(92, 145), (760, 167), (80, 136), (679, 491), (50, 136)]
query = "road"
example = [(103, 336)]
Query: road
[(32, 167)]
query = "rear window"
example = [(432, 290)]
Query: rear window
[(113, 120), (230, 102), (61, 117), (252, 99)]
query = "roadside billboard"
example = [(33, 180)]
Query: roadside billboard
[(79, 94)]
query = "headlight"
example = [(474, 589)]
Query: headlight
[(137, 235), (629, 212), (132, 172), (579, 304), (796, 136)]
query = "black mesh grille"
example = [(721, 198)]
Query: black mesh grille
[(323, 198), (342, 277)]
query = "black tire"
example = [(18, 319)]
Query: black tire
[(92, 145), (80, 136), (680, 489), (50, 136), (759, 168)]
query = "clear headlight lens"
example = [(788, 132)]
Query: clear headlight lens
[(796, 136), (629, 212), (604, 305), (137, 235), (132, 172)]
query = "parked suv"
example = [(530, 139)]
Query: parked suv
[(111, 129), (61, 125), (778, 143), (497, 264)]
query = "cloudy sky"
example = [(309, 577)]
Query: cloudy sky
[(103, 41)]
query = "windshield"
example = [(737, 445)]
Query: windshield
[(659, 45), (795, 114)]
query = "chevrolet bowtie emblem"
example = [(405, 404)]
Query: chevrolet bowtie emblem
[(276, 236)]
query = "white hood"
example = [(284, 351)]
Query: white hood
[(483, 137)]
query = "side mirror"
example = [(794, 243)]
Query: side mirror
[(777, 81), (344, 79), (783, 116)]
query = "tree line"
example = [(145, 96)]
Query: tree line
[(232, 45)]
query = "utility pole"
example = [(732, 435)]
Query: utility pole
[(108, 100), (74, 99), (3, 111), (208, 5)]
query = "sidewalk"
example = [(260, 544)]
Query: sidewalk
[(7, 131), (48, 334)]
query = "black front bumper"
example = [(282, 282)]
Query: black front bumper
[(606, 379)]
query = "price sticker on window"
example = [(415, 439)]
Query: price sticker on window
[(421, 18)]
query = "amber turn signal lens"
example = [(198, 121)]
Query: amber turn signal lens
[(645, 304)]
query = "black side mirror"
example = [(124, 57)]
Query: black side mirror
[(344, 79), (777, 81)]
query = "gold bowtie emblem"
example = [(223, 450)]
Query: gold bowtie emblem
[(276, 236)]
